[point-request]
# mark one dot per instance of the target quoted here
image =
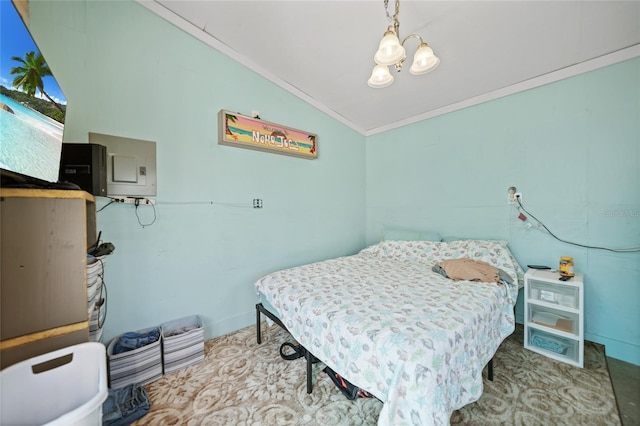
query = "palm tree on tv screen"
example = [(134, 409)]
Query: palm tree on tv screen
[(30, 73)]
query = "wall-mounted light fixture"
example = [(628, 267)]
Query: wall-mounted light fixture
[(392, 52)]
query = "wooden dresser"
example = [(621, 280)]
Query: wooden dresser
[(44, 236)]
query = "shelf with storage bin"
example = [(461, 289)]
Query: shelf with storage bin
[(44, 235), (554, 316)]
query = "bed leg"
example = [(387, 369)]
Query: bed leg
[(490, 370), (258, 330), (309, 358)]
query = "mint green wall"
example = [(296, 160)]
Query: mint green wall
[(129, 73), (572, 148)]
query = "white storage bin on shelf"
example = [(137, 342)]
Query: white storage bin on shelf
[(63, 387), (142, 365), (182, 343)]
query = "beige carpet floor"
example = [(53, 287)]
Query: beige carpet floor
[(243, 383)]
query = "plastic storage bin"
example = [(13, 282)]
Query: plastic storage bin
[(548, 343), (63, 387), (141, 366), (182, 343)]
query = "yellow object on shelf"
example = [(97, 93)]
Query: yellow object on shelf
[(566, 266)]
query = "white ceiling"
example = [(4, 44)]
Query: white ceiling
[(322, 51)]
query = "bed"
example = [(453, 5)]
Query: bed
[(389, 324)]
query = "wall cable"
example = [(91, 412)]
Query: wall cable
[(136, 204), (113, 200), (211, 203), (619, 250), (103, 289)]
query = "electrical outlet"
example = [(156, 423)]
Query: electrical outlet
[(518, 196), (257, 203), (511, 195), (132, 200)]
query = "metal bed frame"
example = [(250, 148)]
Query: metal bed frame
[(308, 355)]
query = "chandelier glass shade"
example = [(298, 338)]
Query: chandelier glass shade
[(392, 52), (424, 60), (380, 77)]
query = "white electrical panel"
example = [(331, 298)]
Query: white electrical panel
[(131, 165)]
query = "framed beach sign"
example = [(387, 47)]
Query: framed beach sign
[(253, 133)]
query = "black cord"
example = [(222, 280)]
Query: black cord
[(100, 325), (102, 288), (92, 249), (623, 250), (106, 205), (137, 203)]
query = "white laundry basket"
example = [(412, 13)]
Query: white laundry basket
[(67, 394)]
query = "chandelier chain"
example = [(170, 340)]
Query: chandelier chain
[(386, 9), (396, 21), (396, 14), (397, 11)]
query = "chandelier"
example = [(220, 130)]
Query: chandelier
[(392, 52)]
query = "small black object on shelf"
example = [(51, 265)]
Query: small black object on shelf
[(538, 267)]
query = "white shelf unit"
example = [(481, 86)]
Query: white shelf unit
[(554, 316)]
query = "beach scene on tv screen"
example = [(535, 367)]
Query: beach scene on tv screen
[(32, 106)]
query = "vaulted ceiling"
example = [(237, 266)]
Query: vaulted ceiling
[(322, 51)]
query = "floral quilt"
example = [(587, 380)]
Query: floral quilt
[(385, 321)]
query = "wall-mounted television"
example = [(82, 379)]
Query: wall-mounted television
[(32, 107)]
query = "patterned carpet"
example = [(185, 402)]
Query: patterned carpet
[(243, 383)]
